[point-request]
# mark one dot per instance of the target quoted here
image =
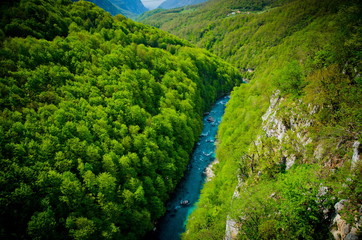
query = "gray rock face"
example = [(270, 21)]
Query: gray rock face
[(209, 172), (296, 123), (340, 205), (292, 129), (341, 229), (231, 229), (356, 153), (273, 126)]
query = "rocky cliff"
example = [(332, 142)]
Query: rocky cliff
[(290, 129)]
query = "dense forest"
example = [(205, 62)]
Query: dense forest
[(192, 21), (290, 140), (98, 118)]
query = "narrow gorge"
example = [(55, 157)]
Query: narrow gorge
[(104, 135), (184, 198)]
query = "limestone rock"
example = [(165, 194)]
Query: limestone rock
[(209, 172), (341, 229), (231, 231), (357, 149)]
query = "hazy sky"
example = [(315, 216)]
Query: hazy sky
[(151, 4)]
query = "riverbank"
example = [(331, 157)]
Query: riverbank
[(187, 193)]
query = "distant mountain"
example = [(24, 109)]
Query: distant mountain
[(134, 6), (128, 8), (168, 4), (108, 6)]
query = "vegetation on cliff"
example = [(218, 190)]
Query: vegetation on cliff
[(98, 118), (310, 51)]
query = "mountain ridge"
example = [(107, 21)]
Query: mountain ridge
[(168, 4), (108, 6), (128, 8), (134, 6)]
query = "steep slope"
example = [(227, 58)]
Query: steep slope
[(125, 7), (111, 8), (190, 21), (134, 6), (289, 144), (168, 4), (98, 117), (107, 6)]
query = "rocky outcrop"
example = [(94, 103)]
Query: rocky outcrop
[(357, 149), (288, 127), (231, 231), (209, 172), (273, 126), (341, 229), (281, 129)]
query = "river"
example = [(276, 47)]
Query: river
[(187, 193)]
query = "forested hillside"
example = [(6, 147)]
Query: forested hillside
[(190, 22), (127, 8), (111, 8), (108, 6), (289, 144), (168, 4), (98, 117)]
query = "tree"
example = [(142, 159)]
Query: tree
[(42, 225), (290, 79)]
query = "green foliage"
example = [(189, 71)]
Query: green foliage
[(202, 13), (288, 208), (310, 50), (98, 119), (42, 19), (289, 79), (208, 219), (347, 185), (338, 97)]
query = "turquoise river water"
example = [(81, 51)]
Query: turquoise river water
[(187, 193)]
